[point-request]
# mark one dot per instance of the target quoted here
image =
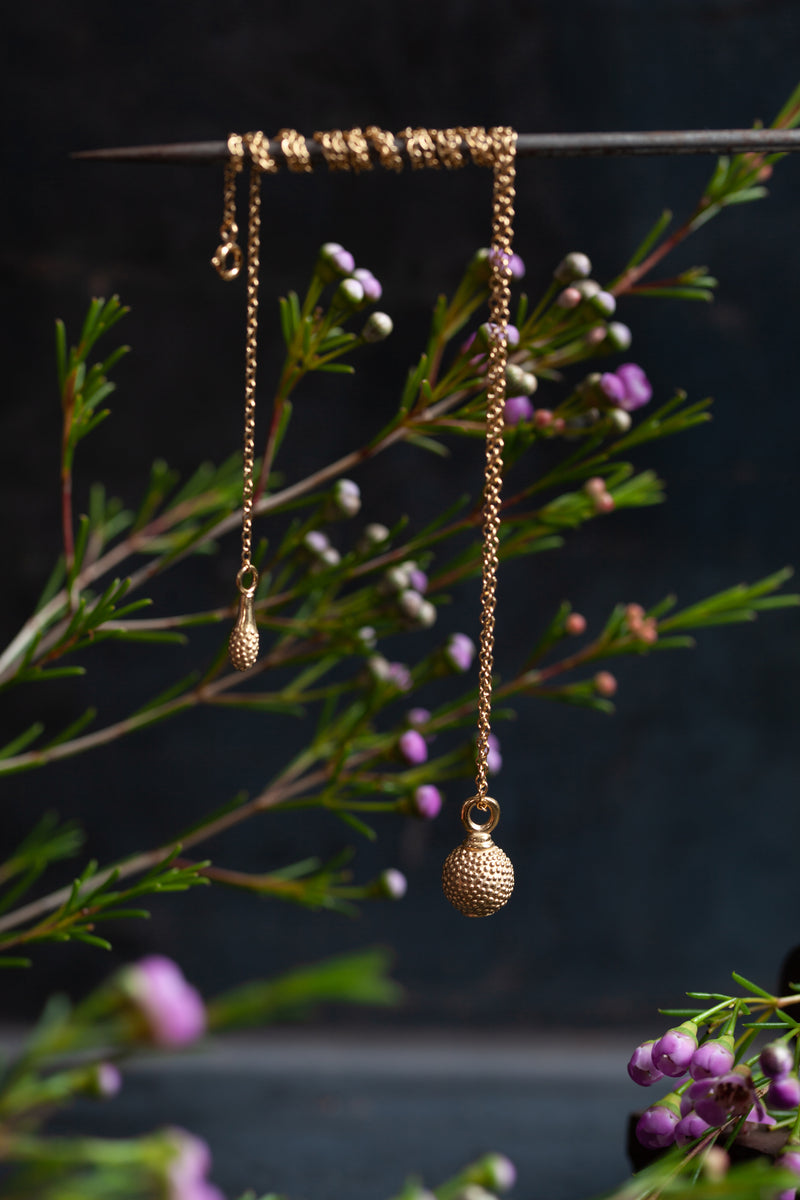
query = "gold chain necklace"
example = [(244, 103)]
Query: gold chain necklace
[(477, 877)]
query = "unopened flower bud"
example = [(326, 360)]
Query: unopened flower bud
[(689, 1128), (410, 602), (170, 1008), (517, 409), (486, 332), (606, 685), (500, 1172), (460, 651), (392, 884), (494, 759), (776, 1059), (783, 1093), (316, 542), (330, 557), (588, 289), (426, 616), (657, 1124), (529, 383), (714, 1057), (418, 579), (377, 327), (604, 303), (673, 1052), (334, 261), (575, 624), (347, 497), (640, 1066), (514, 377), (619, 335), (426, 802), (573, 266), (367, 637), (418, 716), (595, 486), (596, 335), (542, 418), (349, 293), (104, 1080), (374, 535), (413, 747), (715, 1163), (569, 298), (620, 419), (558, 424), (371, 286), (513, 261)]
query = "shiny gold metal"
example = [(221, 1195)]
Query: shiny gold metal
[(243, 642), (335, 149), (295, 151), (386, 146), (421, 147), (478, 877), (227, 259)]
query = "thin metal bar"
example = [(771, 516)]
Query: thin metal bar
[(541, 145)]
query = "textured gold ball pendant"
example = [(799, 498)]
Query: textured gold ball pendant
[(243, 642), (478, 877)]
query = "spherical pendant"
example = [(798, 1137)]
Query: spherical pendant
[(478, 877)]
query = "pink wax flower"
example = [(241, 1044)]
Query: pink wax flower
[(516, 409), (413, 747), (371, 286), (628, 387), (460, 651), (427, 801), (187, 1170), (494, 759), (172, 1009)]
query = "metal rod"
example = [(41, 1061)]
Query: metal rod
[(541, 145)]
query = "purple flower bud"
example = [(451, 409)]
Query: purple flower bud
[(187, 1170), (497, 1171), (656, 1127), (573, 266), (460, 651), (690, 1127), (105, 1080), (392, 884), (640, 1067), (513, 261), (427, 801), (372, 288), (612, 387), (426, 616), (488, 330), (517, 408), (413, 747), (783, 1093), (172, 1009), (712, 1058), (316, 541), (377, 327), (334, 260), (776, 1059), (400, 676), (418, 579), (790, 1160), (494, 759), (619, 335), (673, 1052), (604, 303), (418, 716), (638, 390), (788, 1194)]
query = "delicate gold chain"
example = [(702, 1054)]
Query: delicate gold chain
[(251, 361), (499, 310)]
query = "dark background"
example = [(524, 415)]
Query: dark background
[(654, 851)]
